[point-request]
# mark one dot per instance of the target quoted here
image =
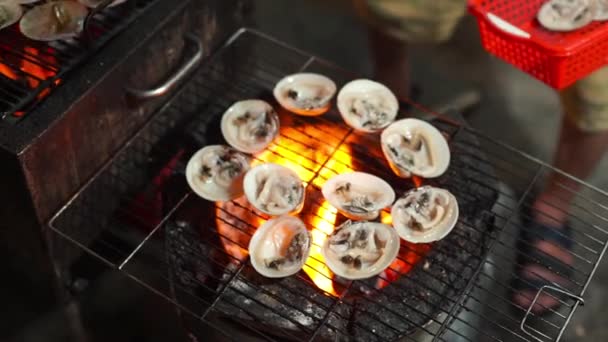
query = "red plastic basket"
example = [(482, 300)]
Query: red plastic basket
[(510, 31)]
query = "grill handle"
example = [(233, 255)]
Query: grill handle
[(180, 74)]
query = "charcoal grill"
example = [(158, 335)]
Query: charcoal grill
[(137, 214)]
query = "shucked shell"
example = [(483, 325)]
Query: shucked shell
[(280, 247), (358, 195), (216, 172), (274, 189), (305, 93), (250, 125), (425, 214), (413, 146), (358, 250), (54, 20), (10, 12), (367, 106), (566, 15)]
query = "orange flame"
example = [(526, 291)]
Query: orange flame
[(7, 71)]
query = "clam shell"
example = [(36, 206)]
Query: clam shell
[(43, 21), (438, 227), (305, 93), (367, 106), (213, 173), (272, 242), (274, 189), (250, 125), (10, 13), (358, 195), (551, 18), (346, 243), (413, 146)]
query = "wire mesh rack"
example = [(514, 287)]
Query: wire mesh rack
[(138, 210), (29, 69)]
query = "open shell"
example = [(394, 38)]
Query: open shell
[(10, 13), (280, 247), (566, 15), (250, 125), (274, 189), (358, 195), (358, 250), (305, 93), (367, 106), (54, 20), (413, 146), (425, 214), (216, 172)]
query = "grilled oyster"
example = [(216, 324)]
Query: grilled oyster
[(216, 172), (566, 15), (358, 250), (54, 20), (367, 106), (305, 93), (274, 189), (10, 13), (358, 195), (250, 125), (425, 214), (413, 146), (95, 3), (280, 247)]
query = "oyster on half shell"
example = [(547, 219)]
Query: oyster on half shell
[(280, 247), (10, 13), (358, 250), (250, 125), (54, 20), (358, 195), (367, 106), (216, 172), (305, 93), (413, 146), (566, 15), (274, 189), (425, 214)]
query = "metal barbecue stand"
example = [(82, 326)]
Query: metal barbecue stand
[(138, 215), (55, 59)]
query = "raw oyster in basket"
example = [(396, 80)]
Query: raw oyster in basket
[(425, 214), (54, 20), (358, 195), (10, 13), (413, 146), (250, 125), (95, 3), (280, 247), (305, 93), (216, 172), (566, 15), (367, 106), (358, 250), (274, 189)]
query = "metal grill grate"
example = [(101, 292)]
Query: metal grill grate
[(138, 215), (29, 70)]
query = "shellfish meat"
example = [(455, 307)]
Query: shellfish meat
[(425, 214), (367, 106), (305, 93), (358, 195), (274, 189), (54, 20), (566, 15), (413, 146), (358, 250), (216, 172), (250, 125), (280, 247), (10, 13)]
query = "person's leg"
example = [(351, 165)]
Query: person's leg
[(391, 62), (582, 143)]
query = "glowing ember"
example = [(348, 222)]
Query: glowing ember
[(7, 71)]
